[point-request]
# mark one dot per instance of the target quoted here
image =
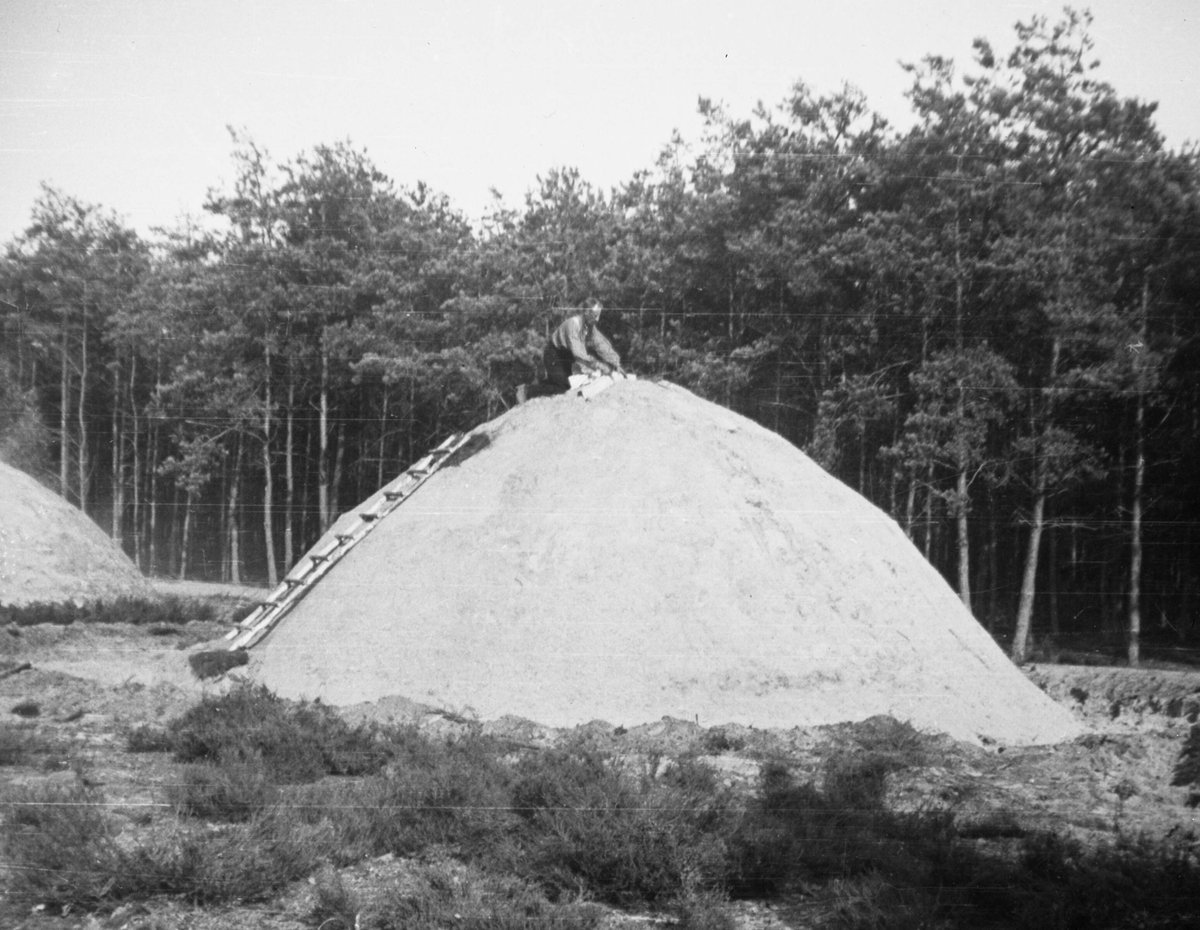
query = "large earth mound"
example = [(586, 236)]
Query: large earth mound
[(51, 552), (645, 554)]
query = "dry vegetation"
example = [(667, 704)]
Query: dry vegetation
[(157, 805)]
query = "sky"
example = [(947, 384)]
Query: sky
[(127, 103)]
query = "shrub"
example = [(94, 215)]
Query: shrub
[(246, 862), (233, 792), (431, 795), (334, 907), (171, 611), (443, 894), (1187, 765), (27, 709), (58, 845), (146, 738), (1062, 884), (702, 909), (295, 742), (16, 744), (591, 827)]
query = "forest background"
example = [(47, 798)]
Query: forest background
[(986, 324)]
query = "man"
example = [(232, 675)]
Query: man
[(576, 347)]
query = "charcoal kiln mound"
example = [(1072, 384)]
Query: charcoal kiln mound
[(642, 554)]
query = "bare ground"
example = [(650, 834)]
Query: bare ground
[(91, 686)]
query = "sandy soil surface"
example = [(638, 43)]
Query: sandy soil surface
[(93, 685)]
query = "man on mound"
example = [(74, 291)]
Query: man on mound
[(576, 347)]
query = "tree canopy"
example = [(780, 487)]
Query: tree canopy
[(986, 324)]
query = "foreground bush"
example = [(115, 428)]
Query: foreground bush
[(446, 894), (590, 827), (531, 830), (16, 744), (233, 793), (58, 845), (59, 849), (292, 742)]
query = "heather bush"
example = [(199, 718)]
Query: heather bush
[(17, 744), (57, 845), (590, 827), (146, 738), (166, 611), (443, 894), (294, 742), (233, 792)]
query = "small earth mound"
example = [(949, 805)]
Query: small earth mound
[(52, 553)]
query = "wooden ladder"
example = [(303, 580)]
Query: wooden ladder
[(350, 529)]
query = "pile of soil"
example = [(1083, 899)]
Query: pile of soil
[(51, 552), (645, 554)]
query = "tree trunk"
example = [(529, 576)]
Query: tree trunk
[(268, 484), (81, 416), (339, 460), (929, 517), (323, 446), (185, 534), (64, 441), (232, 522), (963, 462), (910, 503), (964, 543), (1020, 643), (289, 471), (383, 415), (117, 477), (1139, 482), (175, 535), (152, 514), (136, 465), (1052, 584), (993, 566)]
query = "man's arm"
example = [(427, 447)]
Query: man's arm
[(604, 349)]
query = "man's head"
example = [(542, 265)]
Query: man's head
[(593, 311)]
